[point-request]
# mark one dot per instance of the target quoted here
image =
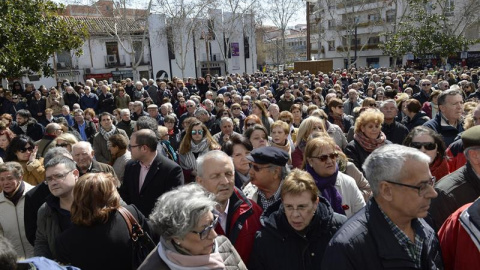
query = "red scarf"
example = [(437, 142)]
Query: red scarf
[(439, 167), (369, 144)]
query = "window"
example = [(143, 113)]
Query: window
[(390, 15), (112, 52), (373, 40), (331, 45), (64, 59), (331, 24), (374, 17), (352, 41), (449, 7)]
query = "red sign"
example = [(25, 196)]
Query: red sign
[(99, 76)]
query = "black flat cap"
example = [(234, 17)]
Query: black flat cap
[(269, 155), (471, 137)]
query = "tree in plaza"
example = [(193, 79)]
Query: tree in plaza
[(183, 21), (433, 28), (31, 31), (281, 12)]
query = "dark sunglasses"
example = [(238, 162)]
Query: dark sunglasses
[(250, 124), (257, 169), (426, 84), (199, 132), (189, 106), (324, 158), (287, 121), (236, 108), (30, 149), (64, 145), (427, 146)]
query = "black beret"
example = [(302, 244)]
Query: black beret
[(471, 137), (269, 155)]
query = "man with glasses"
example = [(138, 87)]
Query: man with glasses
[(426, 90), (239, 217), (61, 174), (390, 229), (286, 100), (412, 83), (463, 185), (148, 175), (266, 175), (191, 107)]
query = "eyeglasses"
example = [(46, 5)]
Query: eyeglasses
[(422, 188), (190, 106), (373, 105), (301, 208), (133, 146), (323, 158), (64, 145), (251, 124), (60, 177), (205, 232), (426, 84), (341, 106), (29, 149), (199, 132), (427, 145), (257, 169), (286, 121)]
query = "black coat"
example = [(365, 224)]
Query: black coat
[(278, 246), (454, 190), (418, 119), (395, 132), (100, 246), (163, 176), (366, 241), (37, 106), (357, 154), (33, 201), (34, 129), (106, 103)]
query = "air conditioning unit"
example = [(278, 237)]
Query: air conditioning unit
[(62, 64), (88, 71), (111, 58)]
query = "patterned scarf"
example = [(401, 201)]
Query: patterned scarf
[(370, 144), (188, 161), (107, 134), (326, 185)]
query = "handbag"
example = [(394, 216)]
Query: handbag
[(142, 243)]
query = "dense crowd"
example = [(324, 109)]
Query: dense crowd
[(351, 169)]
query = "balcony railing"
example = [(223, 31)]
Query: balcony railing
[(113, 61)]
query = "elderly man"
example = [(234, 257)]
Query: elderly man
[(48, 140), (266, 175), (351, 103), (85, 128), (463, 185), (395, 131), (106, 101), (106, 129), (82, 154), (153, 113), (449, 120), (205, 117), (148, 175), (239, 217), (191, 107), (89, 99), (390, 230), (138, 110), (126, 123), (226, 127), (425, 91)]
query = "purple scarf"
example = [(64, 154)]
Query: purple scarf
[(327, 188)]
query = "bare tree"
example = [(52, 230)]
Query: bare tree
[(183, 22)]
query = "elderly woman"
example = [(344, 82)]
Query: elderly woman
[(431, 143), (239, 147), (296, 229), (257, 135), (308, 126), (12, 203), (185, 221), (55, 102), (97, 226), (22, 149), (197, 141), (414, 116), (117, 145), (368, 137), (340, 190)]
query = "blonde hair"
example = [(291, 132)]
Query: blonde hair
[(368, 116), (67, 137), (282, 125), (306, 128)]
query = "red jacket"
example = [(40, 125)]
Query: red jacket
[(458, 250), (243, 221)]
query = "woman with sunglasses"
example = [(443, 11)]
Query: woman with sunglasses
[(251, 121), (340, 190), (185, 221), (197, 141), (22, 149), (296, 229), (337, 116), (430, 143), (66, 140)]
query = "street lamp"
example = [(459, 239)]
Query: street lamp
[(308, 28)]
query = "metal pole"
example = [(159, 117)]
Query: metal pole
[(308, 31), (356, 43)]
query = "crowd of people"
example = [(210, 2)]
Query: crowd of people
[(351, 169)]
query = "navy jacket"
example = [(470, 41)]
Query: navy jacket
[(366, 241), (448, 133)]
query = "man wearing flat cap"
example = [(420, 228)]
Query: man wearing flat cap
[(462, 186), (266, 175)]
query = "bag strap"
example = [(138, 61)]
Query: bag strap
[(134, 228)]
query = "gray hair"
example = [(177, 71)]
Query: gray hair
[(177, 212), (387, 162), (124, 112), (200, 112), (56, 151), (443, 96), (69, 163), (388, 101), (215, 155), (14, 167), (226, 119)]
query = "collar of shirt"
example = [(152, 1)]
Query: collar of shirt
[(266, 202), (223, 216), (147, 165)]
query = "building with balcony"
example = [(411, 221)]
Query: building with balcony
[(350, 31)]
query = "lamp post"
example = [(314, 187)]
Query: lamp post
[(309, 46), (355, 20)]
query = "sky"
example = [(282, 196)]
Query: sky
[(299, 18)]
